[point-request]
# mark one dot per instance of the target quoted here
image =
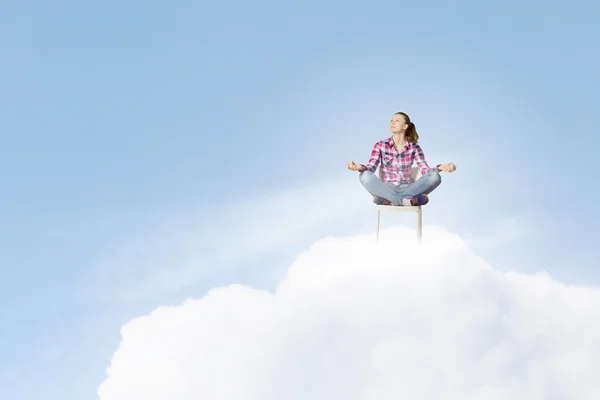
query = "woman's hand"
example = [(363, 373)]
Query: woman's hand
[(449, 167), (352, 166)]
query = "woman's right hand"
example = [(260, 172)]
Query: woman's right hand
[(352, 166)]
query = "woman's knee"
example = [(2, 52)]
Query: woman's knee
[(435, 176), (366, 176)]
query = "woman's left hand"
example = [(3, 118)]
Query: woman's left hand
[(449, 167)]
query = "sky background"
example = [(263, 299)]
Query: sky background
[(142, 142)]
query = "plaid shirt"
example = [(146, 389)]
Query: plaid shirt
[(396, 166)]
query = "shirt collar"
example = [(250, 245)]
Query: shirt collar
[(391, 143)]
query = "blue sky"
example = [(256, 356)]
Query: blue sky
[(130, 130)]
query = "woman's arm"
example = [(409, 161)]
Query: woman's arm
[(375, 158), (424, 167), (419, 157)]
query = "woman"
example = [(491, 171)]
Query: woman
[(396, 155)]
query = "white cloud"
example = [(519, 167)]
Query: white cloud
[(354, 320)]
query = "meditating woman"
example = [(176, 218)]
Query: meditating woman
[(396, 155)]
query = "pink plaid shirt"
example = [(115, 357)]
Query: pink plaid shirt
[(395, 165)]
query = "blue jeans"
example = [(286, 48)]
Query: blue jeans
[(379, 189)]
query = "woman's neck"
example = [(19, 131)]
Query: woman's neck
[(399, 140)]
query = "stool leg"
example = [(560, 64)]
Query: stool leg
[(377, 234), (420, 225)]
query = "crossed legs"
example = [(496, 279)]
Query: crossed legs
[(395, 194)]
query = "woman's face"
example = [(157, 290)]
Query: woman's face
[(398, 125)]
